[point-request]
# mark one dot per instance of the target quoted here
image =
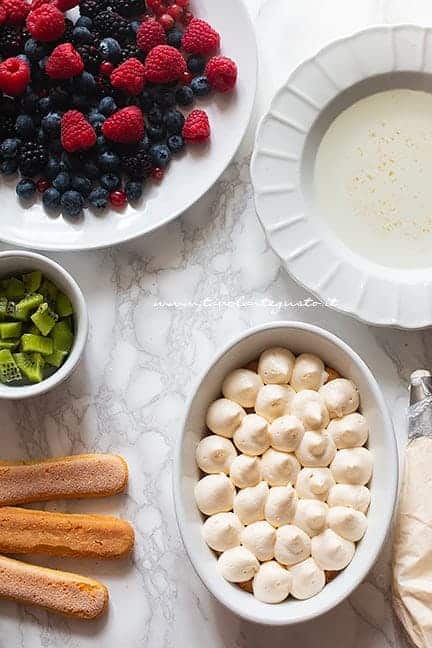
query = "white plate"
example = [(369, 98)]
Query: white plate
[(186, 180), (287, 140)]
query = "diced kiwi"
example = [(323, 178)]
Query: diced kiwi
[(30, 366), (29, 327), (11, 344), (62, 337), (49, 291), (10, 330), (32, 281), (9, 371), (26, 306), (44, 318), (63, 305), (14, 288), (36, 344), (3, 307), (56, 359)]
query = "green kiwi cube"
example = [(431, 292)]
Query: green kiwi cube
[(14, 288), (9, 370), (44, 319), (63, 305), (32, 281), (10, 330), (36, 344), (49, 291), (56, 359), (30, 366), (62, 337), (26, 306), (11, 344)]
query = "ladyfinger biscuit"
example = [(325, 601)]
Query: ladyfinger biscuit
[(64, 534), (79, 476), (57, 591)]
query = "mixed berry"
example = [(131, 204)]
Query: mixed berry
[(91, 110)]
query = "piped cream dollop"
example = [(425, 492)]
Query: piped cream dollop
[(224, 416), (311, 516), (249, 503), (292, 545), (238, 565), (252, 436), (274, 401), (347, 522), (275, 366), (308, 579), (341, 397), (242, 386), (286, 432), (357, 497), (259, 537), (214, 494), (222, 531), (245, 471), (308, 372), (215, 454), (314, 483), (272, 583), (309, 407), (331, 552), (316, 449), (350, 431), (352, 466), (279, 468), (280, 505)]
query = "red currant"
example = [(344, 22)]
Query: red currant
[(175, 11), (106, 68), (157, 7), (167, 21), (157, 173), (117, 198), (187, 78), (41, 185)]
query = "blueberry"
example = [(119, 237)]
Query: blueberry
[(25, 188), (155, 116), (9, 167), (33, 50), (30, 102), (24, 126), (107, 106), (51, 123), (110, 181), (102, 144), (62, 181), (42, 63), (174, 37), (185, 96), (81, 184), (109, 161), (156, 133), (44, 105), (200, 86), (133, 191), (96, 118), (51, 198), (98, 198), (91, 170), (161, 155), (174, 120), (85, 83), (175, 143), (52, 169), (9, 148), (110, 49), (72, 203), (165, 99), (146, 101), (81, 35), (84, 21), (135, 25), (196, 64)]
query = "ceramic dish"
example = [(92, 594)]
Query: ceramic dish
[(188, 178), (287, 141), (12, 262), (299, 338)]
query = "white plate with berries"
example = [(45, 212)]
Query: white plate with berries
[(115, 118)]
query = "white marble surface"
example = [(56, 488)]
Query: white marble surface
[(141, 362)]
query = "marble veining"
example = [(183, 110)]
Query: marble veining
[(160, 307)]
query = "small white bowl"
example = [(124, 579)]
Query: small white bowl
[(12, 262), (299, 338)]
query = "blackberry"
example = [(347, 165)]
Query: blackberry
[(129, 8), (32, 158), (110, 23), (91, 57), (137, 165), (91, 8), (7, 126), (130, 50), (11, 40)]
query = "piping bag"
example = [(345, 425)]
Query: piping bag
[(412, 545)]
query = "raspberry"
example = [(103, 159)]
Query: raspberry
[(64, 62), (3, 15), (164, 64), (76, 132), (47, 23), (221, 73), (124, 126), (17, 10), (196, 127), (200, 38), (14, 76), (150, 34), (129, 77)]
